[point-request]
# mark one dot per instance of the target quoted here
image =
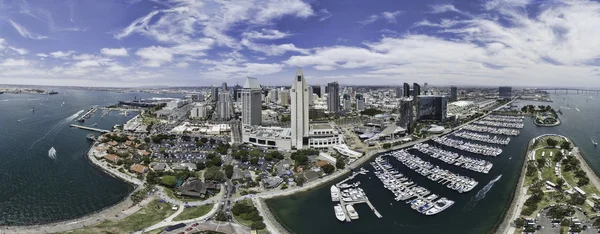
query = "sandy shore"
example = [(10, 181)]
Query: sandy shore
[(118, 211)]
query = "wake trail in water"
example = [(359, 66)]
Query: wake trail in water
[(481, 193), (56, 128)]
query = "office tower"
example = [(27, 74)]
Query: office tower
[(251, 102), (405, 119), (432, 108), (333, 97), (360, 102), (406, 90), (317, 90), (416, 90), (214, 94), (347, 102), (224, 87), (237, 94), (505, 92), (453, 94), (398, 90), (299, 113), (323, 90), (273, 95), (224, 106), (284, 97), (425, 89)]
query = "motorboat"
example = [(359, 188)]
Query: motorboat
[(335, 193), (351, 211), (339, 212)]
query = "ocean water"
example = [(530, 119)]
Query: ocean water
[(36, 189), (478, 211)]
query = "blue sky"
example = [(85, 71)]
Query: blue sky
[(198, 43)]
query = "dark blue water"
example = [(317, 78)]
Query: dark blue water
[(478, 211), (36, 189)]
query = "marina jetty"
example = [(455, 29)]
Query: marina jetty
[(557, 190), (349, 195)]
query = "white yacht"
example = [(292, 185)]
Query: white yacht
[(335, 193), (351, 211), (339, 212)]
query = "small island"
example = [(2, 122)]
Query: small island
[(545, 116), (557, 190)]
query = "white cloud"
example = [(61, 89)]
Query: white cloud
[(42, 55), (119, 52), (87, 63), (391, 16), (80, 57), (14, 63), (182, 65), (272, 50), (324, 14), (369, 20), (268, 34), (441, 8), (19, 50), (24, 32), (62, 54), (155, 56)]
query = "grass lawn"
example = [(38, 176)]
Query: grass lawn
[(149, 120), (194, 212), (548, 174), (569, 178), (244, 222), (153, 213)]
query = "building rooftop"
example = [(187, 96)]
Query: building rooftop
[(268, 132), (251, 83)]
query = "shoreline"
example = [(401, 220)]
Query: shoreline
[(519, 193), (117, 211)]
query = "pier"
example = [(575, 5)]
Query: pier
[(90, 128), (361, 200)]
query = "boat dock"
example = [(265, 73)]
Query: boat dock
[(359, 199), (90, 128)]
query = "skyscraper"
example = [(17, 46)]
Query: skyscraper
[(299, 113), (251, 102), (360, 102), (416, 90), (237, 93), (214, 94), (505, 92), (406, 90), (398, 90), (224, 106), (432, 108), (453, 94), (405, 119), (317, 90), (347, 102), (333, 97), (224, 87), (425, 88)]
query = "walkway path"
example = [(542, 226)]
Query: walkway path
[(169, 221)]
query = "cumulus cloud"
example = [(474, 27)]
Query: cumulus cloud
[(267, 34), (14, 63), (391, 16), (155, 56), (369, 20), (62, 54), (119, 52)]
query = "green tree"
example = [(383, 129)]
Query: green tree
[(221, 216), (300, 180), (328, 168), (340, 163), (254, 161), (519, 222), (168, 180), (551, 142), (387, 145), (228, 171), (146, 160), (214, 173), (565, 145)]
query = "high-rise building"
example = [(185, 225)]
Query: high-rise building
[(284, 97), (406, 117), (224, 106), (347, 102), (299, 114), (406, 90), (416, 90), (432, 108), (425, 88), (505, 92), (398, 90), (199, 111), (224, 87), (214, 94), (453, 94), (237, 94), (333, 97), (360, 102), (251, 102), (273, 95), (317, 90)]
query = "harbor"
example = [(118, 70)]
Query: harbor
[(452, 158), (349, 195), (469, 146)]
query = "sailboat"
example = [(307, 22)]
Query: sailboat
[(594, 142), (52, 153)]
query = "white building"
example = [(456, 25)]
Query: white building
[(324, 136), (200, 111), (175, 104), (284, 97), (299, 110), (224, 106), (251, 102)]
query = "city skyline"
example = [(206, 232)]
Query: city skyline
[(188, 43)]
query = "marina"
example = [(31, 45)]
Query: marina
[(468, 146), (421, 199), (452, 158), (88, 114), (349, 195), (500, 124), (492, 130), (451, 180), (487, 138)]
